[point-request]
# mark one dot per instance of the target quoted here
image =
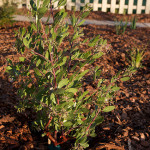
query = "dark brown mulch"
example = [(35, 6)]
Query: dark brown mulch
[(128, 126), (99, 15)]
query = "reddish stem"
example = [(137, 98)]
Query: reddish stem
[(93, 120), (48, 123), (41, 56)]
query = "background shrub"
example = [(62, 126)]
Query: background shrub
[(6, 12)]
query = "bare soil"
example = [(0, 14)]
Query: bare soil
[(127, 127)]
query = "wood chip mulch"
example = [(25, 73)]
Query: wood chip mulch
[(127, 127)]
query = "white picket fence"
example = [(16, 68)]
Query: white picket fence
[(113, 6)]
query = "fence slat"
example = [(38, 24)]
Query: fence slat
[(139, 6), (121, 6), (130, 6), (28, 4), (113, 6), (104, 4), (147, 10), (95, 5), (78, 5)]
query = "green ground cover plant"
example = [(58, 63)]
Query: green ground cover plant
[(121, 27), (52, 77), (133, 23), (6, 12)]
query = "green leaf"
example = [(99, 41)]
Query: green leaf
[(23, 31), (41, 12), (33, 5), (62, 83), (33, 26), (47, 55), (81, 22), (72, 90), (84, 145), (62, 3), (83, 95), (45, 3), (8, 68), (38, 62), (99, 83), (94, 41), (93, 134), (125, 79), (108, 108), (115, 88), (25, 42), (60, 91), (21, 59), (47, 29), (37, 72), (52, 97), (98, 55), (73, 20), (99, 119), (62, 62), (82, 74), (67, 124), (85, 14), (50, 47)]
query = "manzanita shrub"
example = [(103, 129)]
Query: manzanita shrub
[(52, 76)]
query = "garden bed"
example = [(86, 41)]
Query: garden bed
[(128, 126)]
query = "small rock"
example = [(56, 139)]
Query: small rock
[(145, 143)]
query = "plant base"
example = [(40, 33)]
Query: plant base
[(52, 147)]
